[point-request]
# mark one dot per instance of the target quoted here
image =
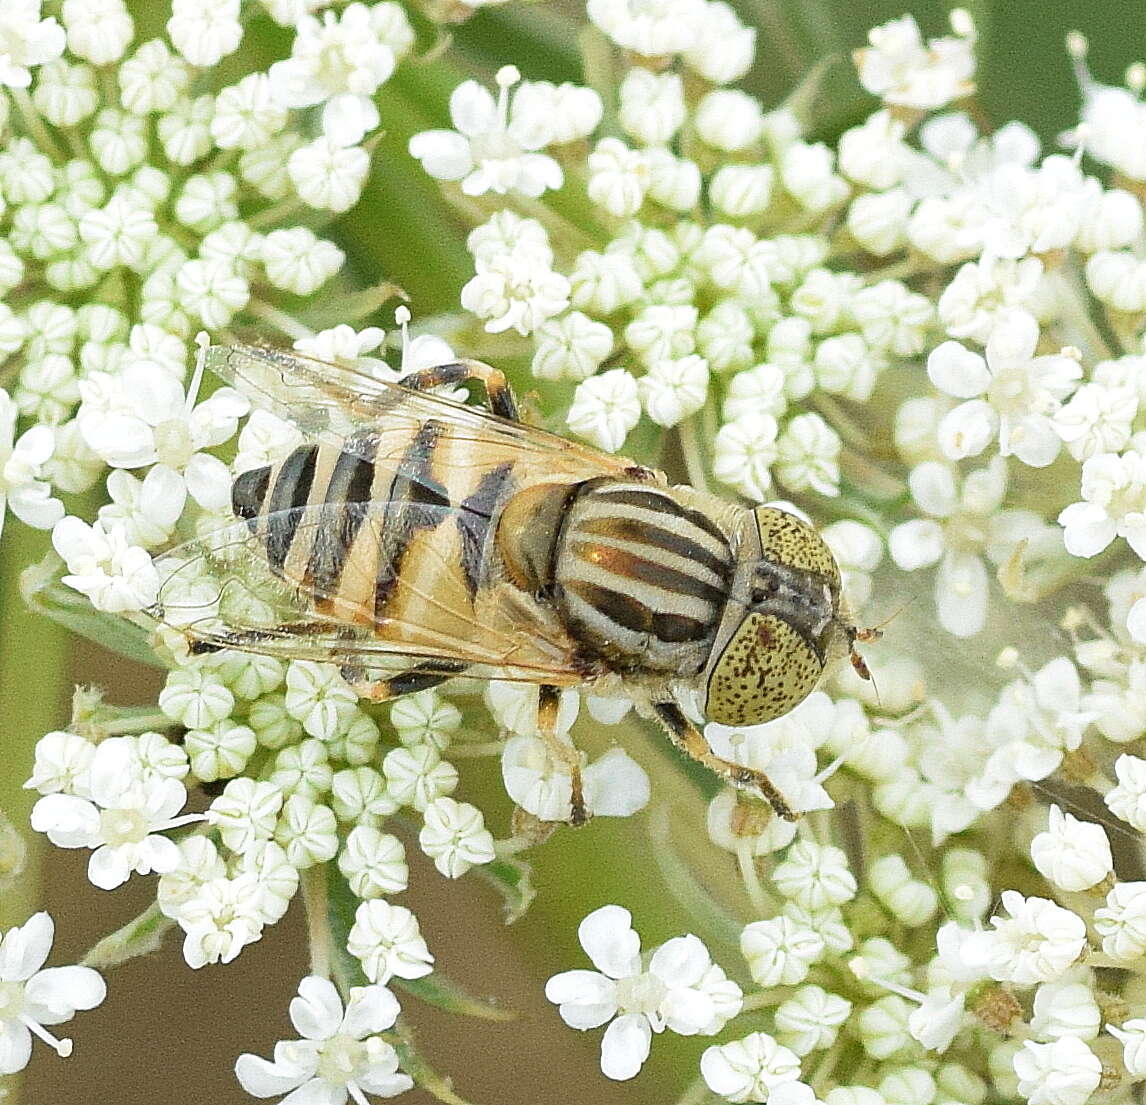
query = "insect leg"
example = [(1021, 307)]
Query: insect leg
[(549, 700), (691, 742), (421, 677), (497, 389)]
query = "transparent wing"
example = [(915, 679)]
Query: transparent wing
[(331, 403), (219, 590)]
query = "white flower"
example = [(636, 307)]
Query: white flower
[(1068, 1007), (115, 576), (1072, 854), (1114, 505), (570, 347), (1128, 799), (984, 291), (339, 62), (493, 148), (416, 776), (1065, 1072), (744, 452), (26, 41), (605, 408), (341, 1053), (651, 105), (672, 390), (138, 416), (751, 1069), (970, 515), (811, 1018), (682, 990), (816, 876), (126, 811), (245, 813), (614, 785), (722, 47), (219, 918), (298, 261), (21, 466), (900, 69), (329, 175), (618, 177), (1122, 921), (454, 836), (729, 119), (205, 31), (373, 862), (98, 30), (388, 942), (1132, 1035), (1019, 393), (1098, 418), (515, 290), (654, 30), (35, 996), (780, 951), (319, 698), (807, 455), (1038, 942), (61, 766), (564, 112)]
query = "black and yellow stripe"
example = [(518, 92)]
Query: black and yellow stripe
[(641, 577)]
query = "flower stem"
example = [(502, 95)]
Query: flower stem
[(317, 923), (27, 644)]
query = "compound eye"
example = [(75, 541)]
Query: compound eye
[(765, 670), (787, 540)]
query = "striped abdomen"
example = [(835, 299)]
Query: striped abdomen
[(393, 530), (642, 577)]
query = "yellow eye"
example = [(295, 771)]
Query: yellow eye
[(765, 670), (787, 540)]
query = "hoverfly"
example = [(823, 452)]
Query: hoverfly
[(455, 540)]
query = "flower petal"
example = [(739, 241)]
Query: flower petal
[(609, 941), (625, 1046), (317, 1010)]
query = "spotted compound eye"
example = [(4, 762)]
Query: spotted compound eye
[(786, 539), (765, 670)]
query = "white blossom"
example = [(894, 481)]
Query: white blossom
[(388, 942), (752, 1069), (682, 990), (339, 62), (341, 1052), (121, 820), (898, 67), (1065, 1072), (605, 408), (494, 145), (1072, 854), (36, 996)]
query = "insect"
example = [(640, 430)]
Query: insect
[(434, 539)]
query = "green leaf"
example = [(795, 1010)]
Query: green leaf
[(512, 878), (419, 1070), (45, 594), (444, 994), (138, 937)]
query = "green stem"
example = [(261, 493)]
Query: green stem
[(317, 922), (34, 685)]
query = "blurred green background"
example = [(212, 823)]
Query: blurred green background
[(168, 1033)]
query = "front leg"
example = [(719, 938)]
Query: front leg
[(548, 704), (498, 394), (691, 742)]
